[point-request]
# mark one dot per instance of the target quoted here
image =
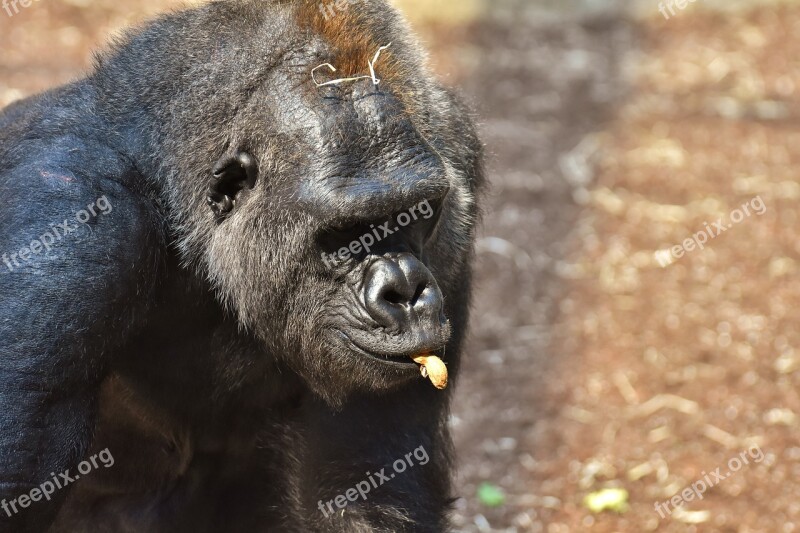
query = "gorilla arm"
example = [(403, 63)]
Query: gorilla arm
[(63, 309)]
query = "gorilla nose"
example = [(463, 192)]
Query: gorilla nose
[(400, 292)]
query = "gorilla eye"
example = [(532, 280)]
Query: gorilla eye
[(407, 230), (338, 237), (231, 175)]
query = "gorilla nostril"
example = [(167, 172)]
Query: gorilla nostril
[(419, 292), (393, 297)]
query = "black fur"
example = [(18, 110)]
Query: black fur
[(193, 329)]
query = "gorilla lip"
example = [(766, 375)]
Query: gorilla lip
[(398, 361), (430, 366)]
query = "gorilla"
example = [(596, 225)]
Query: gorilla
[(221, 250)]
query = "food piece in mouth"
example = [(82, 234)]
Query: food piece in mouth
[(432, 368)]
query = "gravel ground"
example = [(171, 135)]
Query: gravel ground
[(612, 136), (675, 370)]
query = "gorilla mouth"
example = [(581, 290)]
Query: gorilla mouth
[(404, 361)]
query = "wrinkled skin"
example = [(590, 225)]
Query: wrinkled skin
[(200, 330)]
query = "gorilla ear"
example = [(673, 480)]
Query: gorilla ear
[(232, 174)]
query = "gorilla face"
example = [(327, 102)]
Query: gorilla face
[(339, 219)]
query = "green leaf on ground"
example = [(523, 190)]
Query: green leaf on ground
[(491, 495)]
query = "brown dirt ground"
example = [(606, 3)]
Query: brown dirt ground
[(673, 371), (589, 365)]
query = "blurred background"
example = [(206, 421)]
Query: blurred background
[(613, 132)]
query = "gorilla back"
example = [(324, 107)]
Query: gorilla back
[(217, 269)]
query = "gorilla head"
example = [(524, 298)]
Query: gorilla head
[(334, 220)]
